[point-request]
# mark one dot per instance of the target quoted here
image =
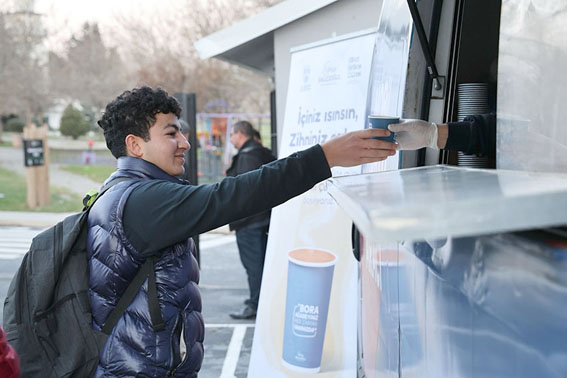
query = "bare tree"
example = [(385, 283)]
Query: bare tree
[(23, 71), (163, 54), (89, 72)]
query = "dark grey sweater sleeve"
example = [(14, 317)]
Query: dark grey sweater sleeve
[(474, 135), (160, 213)]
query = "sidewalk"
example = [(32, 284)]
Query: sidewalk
[(44, 220), (30, 219), (79, 145)]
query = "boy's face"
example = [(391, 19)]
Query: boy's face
[(167, 145)]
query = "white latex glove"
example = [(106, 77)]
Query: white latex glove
[(413, 134)]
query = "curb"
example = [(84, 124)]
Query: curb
[(44, 220), (30, 219)]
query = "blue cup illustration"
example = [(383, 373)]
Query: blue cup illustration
[(382, 122), (309, 282)]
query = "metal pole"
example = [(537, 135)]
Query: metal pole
[(431, 68), (188, 103)]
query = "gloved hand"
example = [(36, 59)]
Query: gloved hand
[(412, 134)]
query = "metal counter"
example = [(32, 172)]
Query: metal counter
[(449, 286)]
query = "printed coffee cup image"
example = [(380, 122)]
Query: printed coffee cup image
[(309, 281), (382, 122)]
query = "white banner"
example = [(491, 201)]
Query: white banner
[(327, 97)]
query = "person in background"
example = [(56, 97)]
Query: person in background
[(153, 215), (257, 137), (251, 232), (474, 135), (9, 363), (184, 128)]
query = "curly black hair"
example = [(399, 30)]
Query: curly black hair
[(134, 112)]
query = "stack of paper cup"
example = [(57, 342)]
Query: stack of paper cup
[(473, 100)]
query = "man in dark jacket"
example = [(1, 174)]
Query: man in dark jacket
[(153, 215), (251, 232)]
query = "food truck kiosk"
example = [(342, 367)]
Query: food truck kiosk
[(463, 268)]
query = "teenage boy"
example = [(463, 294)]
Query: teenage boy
[(153, 215)]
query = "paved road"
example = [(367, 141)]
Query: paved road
[(223, 288)]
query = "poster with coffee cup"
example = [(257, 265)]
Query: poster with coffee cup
[(306, 321)]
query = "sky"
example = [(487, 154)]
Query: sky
[(76, 12), (64, 18)]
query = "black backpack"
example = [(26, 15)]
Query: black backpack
[(47, 314)]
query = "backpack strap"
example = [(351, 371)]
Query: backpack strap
[(92, 195), (146, 270)]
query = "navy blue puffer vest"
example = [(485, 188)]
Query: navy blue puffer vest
[(133, 348)]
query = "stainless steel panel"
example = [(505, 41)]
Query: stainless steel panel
[(489, 306), (532, 82)]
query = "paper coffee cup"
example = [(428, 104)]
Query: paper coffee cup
[(382, 122), (309, 282)]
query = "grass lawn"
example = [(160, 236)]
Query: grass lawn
[(97, 173), (13, 196), (6, 140)]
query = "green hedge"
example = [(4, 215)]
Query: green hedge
[(15, 125)]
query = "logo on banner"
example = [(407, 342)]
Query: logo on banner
[(354, 70), (305, 319), (306, 84), (330, 74)]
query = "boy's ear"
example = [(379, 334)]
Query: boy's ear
[(134, 145)]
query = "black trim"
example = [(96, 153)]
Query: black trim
[(426, 92), (188, 102), (431, 67), (153, 302), (451, 78), (355, 242), (274, 123)]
